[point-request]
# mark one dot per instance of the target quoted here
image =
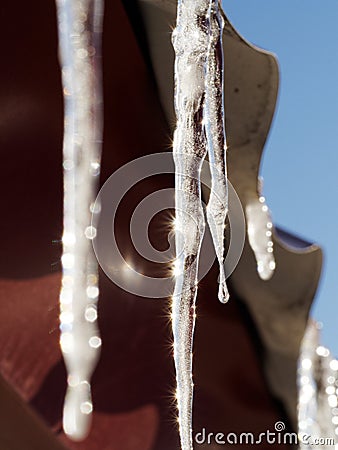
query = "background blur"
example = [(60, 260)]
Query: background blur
[(300, 164)]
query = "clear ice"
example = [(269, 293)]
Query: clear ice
[(318, 395), (80, 29), (197, 40), (260, 228)]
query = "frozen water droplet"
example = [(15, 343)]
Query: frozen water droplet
[(95, 168), (92, 291), (77, 411), (68, 164), (91, 314), (68, 239), (90, 232), (95, 342), (223, 294), (67, 260)]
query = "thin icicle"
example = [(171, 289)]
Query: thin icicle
[(80, 26), (214, 123), (199, 110)]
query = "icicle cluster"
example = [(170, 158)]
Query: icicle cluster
[(318, 393), (197, 41), (80, 24)]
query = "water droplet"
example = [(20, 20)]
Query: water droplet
[(91, 314), (67, 260), (92, 291), (334, 364), (86, 407), (95, 168), (90, 232), (68, 239), (68, 164), (95, 342)]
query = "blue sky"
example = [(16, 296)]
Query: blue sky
[(300, 164)]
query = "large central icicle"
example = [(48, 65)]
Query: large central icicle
[(80, 27), (197, 40)]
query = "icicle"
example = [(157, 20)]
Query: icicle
[(214, 123), (327, 410), (80, 23), (318, 399), (260, 228), (199, 110), (307, 402)]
